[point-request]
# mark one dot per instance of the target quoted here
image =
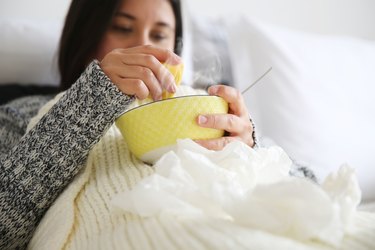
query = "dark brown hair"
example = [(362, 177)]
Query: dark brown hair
[(85, 25)]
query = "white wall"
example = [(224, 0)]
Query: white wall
[(36, 9), (344, 17)]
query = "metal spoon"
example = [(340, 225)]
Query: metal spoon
[(256, 81)]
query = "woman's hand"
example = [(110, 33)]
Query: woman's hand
[(236, 123), (138, 71)]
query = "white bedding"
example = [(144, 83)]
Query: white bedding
[(367, 207), (317, 102), (244, 198), (206, 234), (83, 216)]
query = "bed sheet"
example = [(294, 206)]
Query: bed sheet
[(367, 207), (84, 216)]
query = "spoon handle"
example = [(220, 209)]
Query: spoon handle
[(256, 81)]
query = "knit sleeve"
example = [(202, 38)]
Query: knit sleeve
[(35, 171), (14, 117)]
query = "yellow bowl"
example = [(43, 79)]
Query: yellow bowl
[(152, 129)]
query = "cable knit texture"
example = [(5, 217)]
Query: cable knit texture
[(35, 167), (83, 216)]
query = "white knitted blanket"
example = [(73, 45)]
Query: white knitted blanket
[(82, 217)]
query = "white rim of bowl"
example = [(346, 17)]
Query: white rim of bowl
[(167, 99)]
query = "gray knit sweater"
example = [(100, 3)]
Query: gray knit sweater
[(36, 167)]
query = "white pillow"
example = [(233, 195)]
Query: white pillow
[(28, 51), (318, 101)]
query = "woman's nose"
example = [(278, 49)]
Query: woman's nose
[(142, 39)]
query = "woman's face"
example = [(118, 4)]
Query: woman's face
[(140, 22)]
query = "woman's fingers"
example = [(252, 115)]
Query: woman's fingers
[(162, 55), (220, 143), (134, 87), (236, 123), (228, 122), (151, 57), (145, 75), (163, 76), (216, 144), (142, 63), (232, 96), (237, 127)]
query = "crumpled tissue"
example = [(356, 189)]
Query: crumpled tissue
[(252, 188)]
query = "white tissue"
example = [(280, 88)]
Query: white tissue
[(248, 187)]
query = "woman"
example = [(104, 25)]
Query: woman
[(111, 52)]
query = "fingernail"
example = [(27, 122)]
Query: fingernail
[(177, 59), (202, 119), (172, 88), (157, 97), (213, 90)]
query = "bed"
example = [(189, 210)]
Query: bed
[(316, 103)]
